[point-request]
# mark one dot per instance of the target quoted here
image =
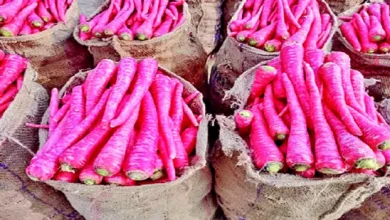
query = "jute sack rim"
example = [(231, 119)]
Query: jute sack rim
[(74, 8), (278, 180), (201, 154), (327, 46), (342, 39), (116, 39)]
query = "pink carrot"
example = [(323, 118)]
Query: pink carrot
[(140, 163), (138, 9), (328, 159), (101, 22), (367, 46), (178, 22), (191, 97), (301, 7), (26, 30), (264, 76), (168, 162), (158, 168), (316, 29), (366, 17), (374, 135), (354, 151), (266, 154), (2, 55), (238, 25), (386, 20), (242, 36), (188, 137), (163, 28), (386, 154), (289, 15), (53, 9), (273, 45), (90, 25), (380, 159), (174, 11), (119, 179), (243, 121), (181, 160), (325, 20), (8, 95), (249, 4), (315, 58), (61, 113), (357, 81), (267, 6), (162, 6), (88, 175), (10, 10), (44, 13), (68, 177), (324, 36), (31, 125), (35, 20), (384, 47), (13, 28), (370, 108), (176, 111), (258, 38), (309, 173), (299, 153), (125, 33), (276, 127), (278, 82), (109, 160), (77, 107), (330, 74), (255, 18), (145, 8), (13, 66), (127, 69), (376, 32), (189, 114), (146, 72), (53, 109), (145, 31), (349, 32), (61, 9), (168, 13), (375, 10), (301, 35), (115, 25), (281, 28)]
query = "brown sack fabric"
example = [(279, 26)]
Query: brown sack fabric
[(21, 197), (245, 193), (339, 6), (53, 53), (234, 58), (179, 51), (187, 198)]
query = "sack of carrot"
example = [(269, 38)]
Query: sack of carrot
[(24, 102), (142, 29), (41, 31), (131, 130), (256, 33), (304, 128)]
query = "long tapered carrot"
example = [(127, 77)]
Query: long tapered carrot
[(349, 32), (357, 81), (53, 109), (266, 13), (145, 31), (289, 15), (281, 28), (12, 29), (9, 10)]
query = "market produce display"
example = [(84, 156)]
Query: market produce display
[(133, 20), (25, 17), (12, 67), (313, 114), (127, 122), (268, 24), (368, 30)]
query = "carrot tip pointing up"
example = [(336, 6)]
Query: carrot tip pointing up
[(366, 164)]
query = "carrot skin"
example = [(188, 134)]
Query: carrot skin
[(31, 125), (380, 159), (357, 82), (289, 15), (258, 38), (266, 13), (281, 28), (181, 160), (145, 31), (273, 45), (349, 32), (376, 32), (367, 46), (191, 97), (13, 66), (386, 20), (44, 13), (13, 28), (162, 6), (301, 35), (243, 120), (301, 7), (53, 109), (68, 177), (375, 10), (315, 30), (9, 10), (370, 108), (163, 28), (251, 23), (189, 114), (168, 162), (277, 83), (125, 33), (315, 58), (88, 175), (176, 111), (114, 26), (264, 76)]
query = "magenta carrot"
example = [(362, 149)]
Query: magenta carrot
[(12, 29), (191, 97), (258, 38), (328, 159), (163, 28), (243, 121), (386, 20), (8, 11), (115, 25), (145, 31), (100, 23), (248, 4), (176, 111), (309, 173), (13, 66), (44, 13), (264, 76), (302, 5), (174, 11), (8, 95), (146, 72), (68, 177), (168, 162), (178, 22), (357, 81), (374, 135), (386, 154), (31, 125), (2, 55), (127, 68), (145, 8), (301, 35), (255, 18), (266, 154), (267, 6), (77, 107), (315, 30), (61, 113), (350, 34), (256, 6), (277, 82), (243, 35), (26, 29), (289, 15), (181, 160), (88, 175), (299, 154), (35, 20), (370, 108), (188, 137), (162, 6), (237, 25), (125, 33), (189, 114), (53, 109), (119, 179), (273, 45), (375, 10), (281, 28), (367, 46), (380, 159), (315, 58), (276, 127), (140, 163), (330, 74), (384, 47), (325, 20), (158, 168), (376, 32)]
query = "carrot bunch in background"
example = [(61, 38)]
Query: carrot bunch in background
[(310, 118), (25, 17), (267, 24), (127, 122), (11, 78), (134, 20), (368, 30)]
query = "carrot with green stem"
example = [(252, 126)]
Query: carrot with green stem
[(12, 29), (386, 20), (35, 20), (330, 74), (367, 46), (115, 25), (140, 163), (328, 159), (302, 5), (350, 34), (9, 10), (53, 109), (264, 76), (373, 134), (258, 38), (145, 31), (276, 127), (44, 13), (237, 25), (88, 175), (309, 173), (127, 69), (289, 15), (281, 28), (158, 168), (299, 152), (101, 22), (273, 45), (301, 35), (13, 66), (243, 35), (376, 32), (254, 20), (125, 33), (384, 47), (267, 6), (119, 179), (243, 120), (370, 108), (176, 111), (357, 81), (87, 27)]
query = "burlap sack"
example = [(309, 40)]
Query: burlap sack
[(234, 58), (53, 53), (339, 6), (21, 197), (179, 51), (188, 197), (282, 196)]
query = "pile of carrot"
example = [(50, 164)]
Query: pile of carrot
[(25, 17), (368, 30), (12, 67), (127, 124), (309, 114), (134, 20), (267, 24)]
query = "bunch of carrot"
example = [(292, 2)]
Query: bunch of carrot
[(25, 17), (134, 20), (267, 24), (127, 122), (308, 112), (368, 30), (12, 67)]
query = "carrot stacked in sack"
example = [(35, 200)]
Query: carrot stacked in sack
[(25, 17), (267, 24), (134, 20), (368, 30), (316, 110), (127, 122)]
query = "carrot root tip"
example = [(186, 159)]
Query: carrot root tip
[(45, 19), (274, 167), (384, 146), (137, 175), (102, 172), (366, 164), (301, 167)]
